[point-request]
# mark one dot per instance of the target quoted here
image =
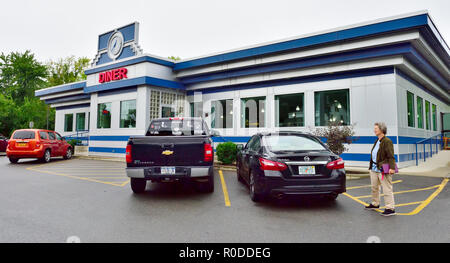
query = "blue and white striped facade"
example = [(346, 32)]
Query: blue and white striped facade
[(378, 62)]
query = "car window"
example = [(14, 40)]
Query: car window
[(254, 144), (51, 135), (58, 137), (177, 127), (250, 142), (285, 143), (43, 135), (24, 135)]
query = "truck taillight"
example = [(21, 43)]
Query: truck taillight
[(128, 154), (208, 152), (338, 164), (268, 165)]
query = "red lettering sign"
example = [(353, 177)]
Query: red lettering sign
[(113, 75)]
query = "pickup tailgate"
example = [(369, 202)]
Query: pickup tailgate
[(168, 151)]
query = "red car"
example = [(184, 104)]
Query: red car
[(3, 143), (34, 143)]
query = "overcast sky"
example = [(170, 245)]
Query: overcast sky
[(56, 28)]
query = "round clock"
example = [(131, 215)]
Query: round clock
[(115, 45)]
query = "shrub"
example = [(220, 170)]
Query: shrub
[(226, 152), (336, 135), (74, 142)]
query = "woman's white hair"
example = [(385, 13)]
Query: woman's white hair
[(382, 126)]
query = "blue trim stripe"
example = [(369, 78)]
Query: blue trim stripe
[(107, 150), (134, 82), (361, 31), (128, 63), (420, 86), (68, 98), (61, 88), (360, 157), (85, 105), (304, 63), (357, 139), (108, 138), (298, 80)]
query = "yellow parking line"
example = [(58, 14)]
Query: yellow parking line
[(71, 176), (405, 204), (429, 199), (359, 201), (402, 192), (224, 189), (369, 185)]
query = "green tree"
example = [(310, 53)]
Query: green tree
[(66, 70), (174, 58), (20, 75), (7, 115)]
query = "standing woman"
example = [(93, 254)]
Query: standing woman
[(382, 153)]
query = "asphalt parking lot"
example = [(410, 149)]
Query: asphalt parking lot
[(91, 200)]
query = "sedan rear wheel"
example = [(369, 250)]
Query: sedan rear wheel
[(238, 172), (256, 197)]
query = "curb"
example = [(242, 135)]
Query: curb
[(95, 158)]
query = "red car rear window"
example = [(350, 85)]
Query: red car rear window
[(24, 135)]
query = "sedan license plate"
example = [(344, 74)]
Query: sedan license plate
[(167, 170), (306, 170)]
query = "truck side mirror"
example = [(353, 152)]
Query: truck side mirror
[(240, 147), (215, 133)]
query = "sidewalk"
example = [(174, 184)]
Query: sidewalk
[(437, 166)]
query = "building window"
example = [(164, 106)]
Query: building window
[(104, 116), (166, 104), (332, 106), (154, 104), (419, 112), (68, 122), (222, 114), (253, 112), (167, 111), (128, 114), (290, 110), (410, 102), (427, 115), (196, 109), (434, 112), (81, 121)]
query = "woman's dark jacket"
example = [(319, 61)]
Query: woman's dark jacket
[(385, 154)]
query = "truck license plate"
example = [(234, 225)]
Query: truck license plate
[(167, 170), (306, 170)]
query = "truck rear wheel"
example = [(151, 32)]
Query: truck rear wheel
[(206, 187), (138, 185)]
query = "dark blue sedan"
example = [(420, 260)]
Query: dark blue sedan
[(289, 163)]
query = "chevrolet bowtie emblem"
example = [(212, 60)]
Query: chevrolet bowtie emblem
[(167, 152)]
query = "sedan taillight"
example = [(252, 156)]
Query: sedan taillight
[(268, 165), (338, 164), (208, 152), (128, 154)]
